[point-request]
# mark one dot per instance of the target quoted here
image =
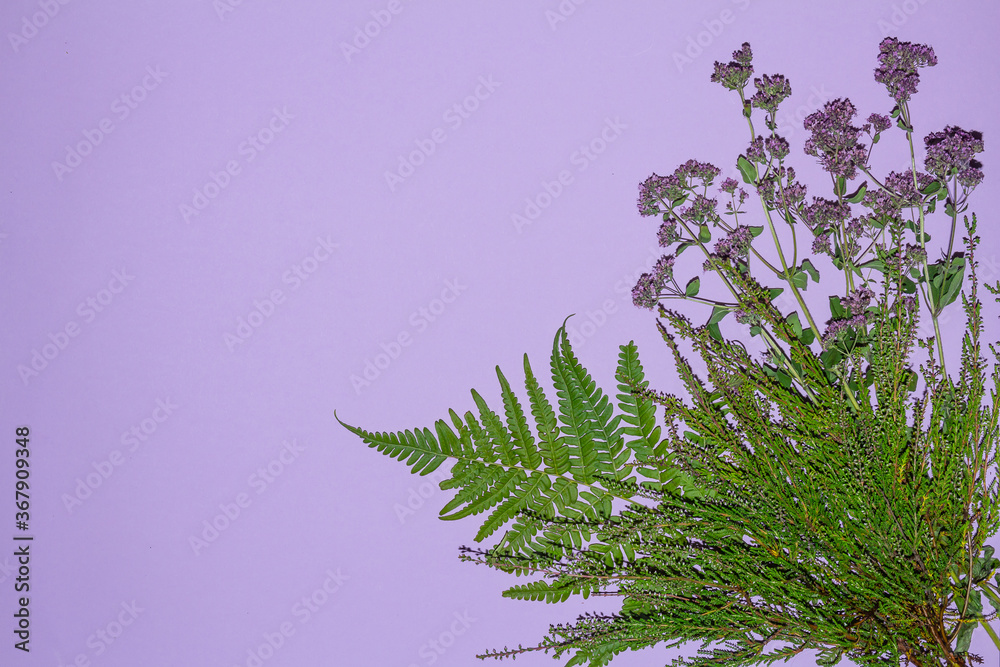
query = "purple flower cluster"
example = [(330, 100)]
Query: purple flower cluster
[(646, 292), (701, 209), (834, 140), (668, 234), (777, 146), (767, 186), (755, 153), (656, 189), (888, 205), (692, 169), (823, 214), (858, 300), (771, 90), (666, 189), (856, 304), (880, 122), (735, 75), (729, 187), (736, 245), (774, 145), (898, 66), (952, 152), (795, 192), (905, 257), (821, 244)]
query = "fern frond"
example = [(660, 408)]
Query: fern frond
[(591, 405), (552, 448), (571, 467), (558, 590), (640, 414)]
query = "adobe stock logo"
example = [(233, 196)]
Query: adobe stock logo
[(251, 147), (697, 44), (88, 309), (264, 309), (230, 512), (134, 438), (303, 610), (381, 18), (581, 158), (454, 116), (104, 637), (434, 648), (420, 320), (122, 107), (37, 21), (564, 10), (223, 7)]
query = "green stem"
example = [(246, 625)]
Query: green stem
[(787, 277), (904, 111), (993, 635)]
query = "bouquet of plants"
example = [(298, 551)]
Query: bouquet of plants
[(830, 493)]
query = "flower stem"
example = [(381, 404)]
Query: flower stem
[(904, 111)]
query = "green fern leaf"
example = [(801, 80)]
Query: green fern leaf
[(552, 448), (589, 403), (524, 442), (639, 413), (551, 489), (419, 449), (559, 590)]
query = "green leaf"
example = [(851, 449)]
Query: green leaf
[(691, 289), (756, 231), (946, 280), (677, 202), (793, 321), (831, 358), (994, 600), (556, 591), (975, 610), (641, 432), (781, 376), (718, 312), (714, 331), (682, 247), (704, 234), (840, 186), (858, 194), (800, 280), (747, 169), (895, 111), (808, 267), (837, 310), (949, 210), (773, 292), (876, 264), (984, 565), (931, 188)]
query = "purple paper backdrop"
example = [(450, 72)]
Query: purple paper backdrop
[(204, 257)]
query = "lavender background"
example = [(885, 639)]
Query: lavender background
[(213, 344)]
